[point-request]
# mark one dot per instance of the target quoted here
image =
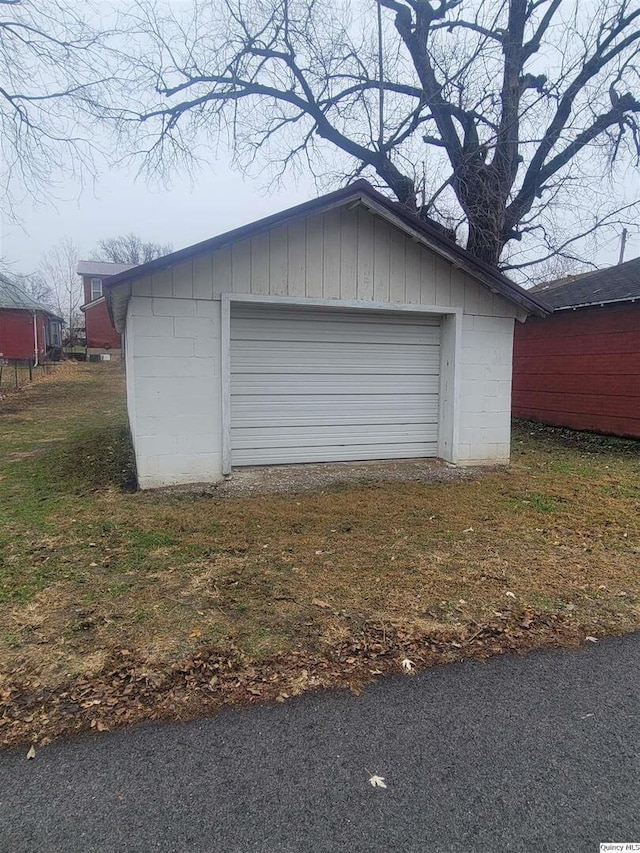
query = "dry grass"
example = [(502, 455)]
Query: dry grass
[(91, 572)]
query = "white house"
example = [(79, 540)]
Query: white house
[(341, 329)]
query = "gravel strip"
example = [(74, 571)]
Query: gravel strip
[(293, 479)]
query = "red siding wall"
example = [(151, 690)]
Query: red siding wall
[(16, 334), (580, 369), (99, 328)]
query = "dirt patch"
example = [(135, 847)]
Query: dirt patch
[(316, 477)]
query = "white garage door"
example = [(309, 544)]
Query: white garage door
[(316, 385)]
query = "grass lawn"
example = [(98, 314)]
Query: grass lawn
[(117, 606)]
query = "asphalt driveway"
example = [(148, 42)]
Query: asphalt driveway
[(536, 753)]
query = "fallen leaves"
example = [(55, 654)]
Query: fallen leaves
[(32, 753), (377, 781), (128, 689)]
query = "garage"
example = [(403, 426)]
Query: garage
[(313, 385), (343, 329)]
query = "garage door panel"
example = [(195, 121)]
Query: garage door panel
[(344, 434), (321, 385), (348, 453), (326, 383), (325, 332), (286, 313), (305, 410), (276, 357), (407, 337)]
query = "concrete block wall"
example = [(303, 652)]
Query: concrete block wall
[(174, 389), (485, 390)]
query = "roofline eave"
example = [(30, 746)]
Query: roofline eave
[(360, 192)]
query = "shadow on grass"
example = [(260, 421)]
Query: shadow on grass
[(99, 457), (589, 442)]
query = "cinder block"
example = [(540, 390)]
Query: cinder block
[(486, 341), (152, 346), (493, 324), (174, 307), (173, 367), (139, 306), (184, 446), (193, 327), (473, 371), (494, 435), (495, 420), (181, 426), (150, 326), (208, 308), (146, 468), (197, 467), (178, 396), (475, 391), (208, 348)]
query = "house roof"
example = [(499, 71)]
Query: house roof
[(88, 305), (13, 297), (615, 284), (358, 192), (102, 268)]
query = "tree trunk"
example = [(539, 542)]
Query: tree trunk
[(483, 242)]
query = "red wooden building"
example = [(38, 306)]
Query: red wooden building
[(102, 340), (580, 367), (29, 331)]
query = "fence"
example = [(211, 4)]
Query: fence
[(16, 373)]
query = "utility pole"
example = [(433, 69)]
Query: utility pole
[(623, 243)]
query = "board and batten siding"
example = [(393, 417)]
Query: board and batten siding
[(173, 333)]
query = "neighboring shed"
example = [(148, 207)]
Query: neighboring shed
[(102, 340), (580, 367), (29, 331), (341, 329)]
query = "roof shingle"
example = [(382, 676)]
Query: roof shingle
[(12, 296), (615, 284)]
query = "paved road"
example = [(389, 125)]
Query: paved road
[(538, 753)]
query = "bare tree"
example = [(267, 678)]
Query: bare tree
[(129, 249), (509, 121), (51, 73), (40, 289), (34, 284), (58, 269)]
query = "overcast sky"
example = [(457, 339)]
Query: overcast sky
[(118, 203), (219, 200)]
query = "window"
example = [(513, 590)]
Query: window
[(96, 288), (54, 333)]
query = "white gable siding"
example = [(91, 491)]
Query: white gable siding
[(174, 319), (342, 254)]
